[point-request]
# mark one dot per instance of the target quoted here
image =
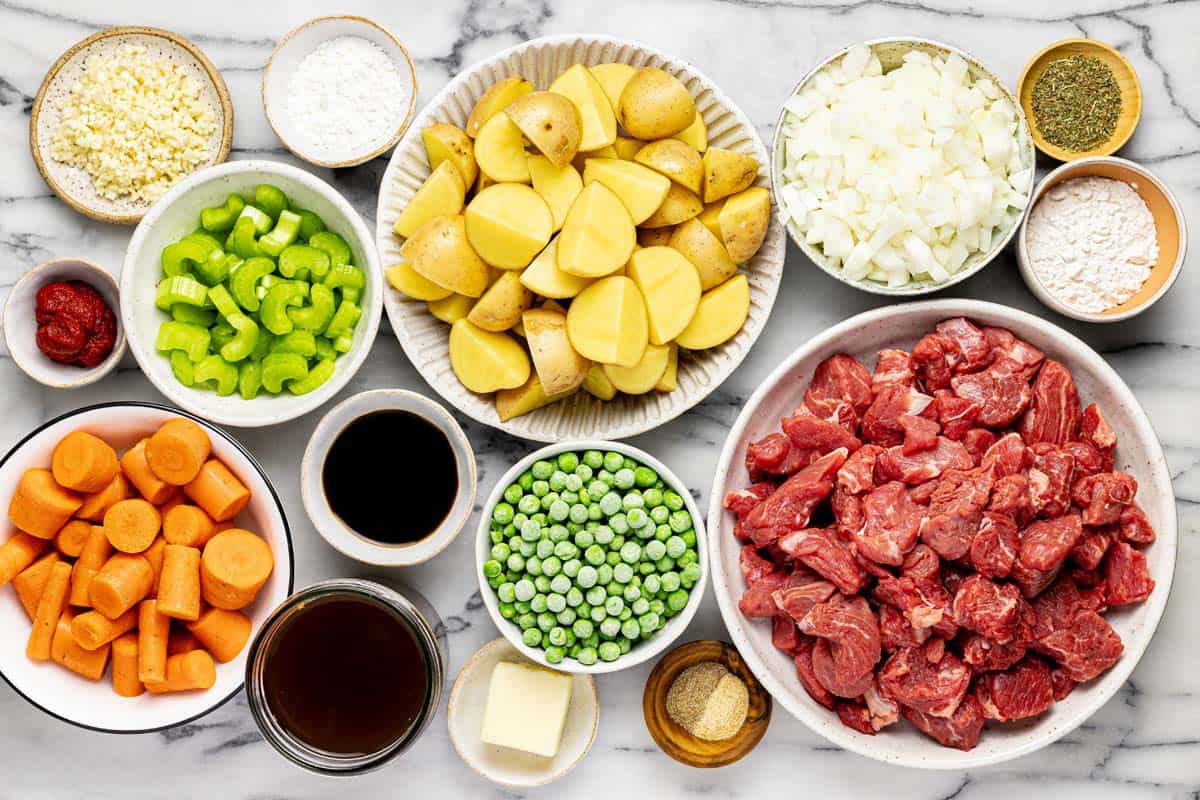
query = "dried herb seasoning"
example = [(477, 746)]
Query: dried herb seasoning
[(1076, 103)]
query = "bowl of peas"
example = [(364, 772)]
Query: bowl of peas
[(251, 293), (591, 556)]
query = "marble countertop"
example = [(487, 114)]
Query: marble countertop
[(1144, 744)]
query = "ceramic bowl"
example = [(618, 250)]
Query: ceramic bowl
[(503, 765), (1138, 453), (641, 652), (293, 48), (1169, 223), (426, 340), (74, 186), (890, 52), (175, 215), (96, 706), (334, 530), (20, 324)]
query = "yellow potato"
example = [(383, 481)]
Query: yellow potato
[(598, 385), (451, 309), (710, 216), (560, 369), (558, 186), (669, 380), (676, 160), (670, 287), (483, 182), (655, 105), (744, 220), (440, 252), (595, 111), (544, 278), (501, 306), (498, 96), (525, 398), (642, 376), (612, 79), (598, 235), (705, 251), (500, 151), (486, 361), (550, 122), (695, 134), (442, 194), (405, 280), (726, 173), (607, 322), (627, 148), (654, 237), (720, 315), (641, 189), (444, 142), (508, 224), (580, 161), (678, 206)]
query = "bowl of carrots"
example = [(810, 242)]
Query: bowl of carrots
[(144, 548)]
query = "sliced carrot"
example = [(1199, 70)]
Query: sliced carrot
[(179, 583), (154, 554), (66, 651), (92, 629), (177, 451), (40, 506), (138, 471), (131, 525), (50, 607), (83, 462), (218, 491), (154, 630), (188, 525), (177, 498), (94, 505), (96, 551), (125, 666), (187, 672), (235, 565), (71, 537), (223, 633), (181, 641), (17, 553), (121, 583), (30, 583)]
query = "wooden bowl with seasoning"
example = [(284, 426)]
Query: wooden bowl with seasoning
[(675, 740), (1128, 87)]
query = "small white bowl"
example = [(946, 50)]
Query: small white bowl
[(503, 765), (1169, 223), (640, 652), (177, 213), (20, 323), (301, 41), (334, 529), (96, 706)]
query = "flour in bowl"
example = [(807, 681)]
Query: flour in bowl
[(1092, 242)]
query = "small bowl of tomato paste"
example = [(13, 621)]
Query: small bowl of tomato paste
[(62, 323)]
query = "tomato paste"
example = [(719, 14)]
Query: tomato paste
[(75, 324)]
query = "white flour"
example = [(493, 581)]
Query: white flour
[(1091, 241), (345, 98)]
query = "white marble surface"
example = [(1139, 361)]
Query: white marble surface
[(1145, 743)]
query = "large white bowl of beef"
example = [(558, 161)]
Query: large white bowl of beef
[(799, 563)]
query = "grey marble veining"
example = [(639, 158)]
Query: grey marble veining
[(1144, 744)]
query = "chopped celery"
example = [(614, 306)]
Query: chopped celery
[(182, 312), (300, 256), (283, 234), (270, 199), (180, 289), (224, 302), (321, 372), (343, 343), (182, 256), (316, 316), (263, 221), (345, 276), (333, 245), (244, 341), (280, 367), (191, 339), (325, 349), (182, 367), (310, 223), (344, 320), (215, 368), (222, 334), (352, 295), (216, 267), (302, 343), (241, 239), (265, 340), (220, 219), (273, 312), (249, 379), (245, 281)]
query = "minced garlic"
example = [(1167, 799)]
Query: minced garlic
[(135, 123)]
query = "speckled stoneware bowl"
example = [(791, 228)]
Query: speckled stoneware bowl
[(426, 340), (891, 53), (1138, 453)]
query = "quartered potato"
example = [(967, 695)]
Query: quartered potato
[(550, 122), (641, 189), (676, 160), (743, 221), (670, 287), (595, 111), (501, 306), (598, 385), (642, 376), (607, 322), (654, 237), (451, 309), (726, 173), (403, 278), (500, 151), (627, 148), (558, 186), (439, 251), (444, 142), (678, 206), (669, 379), (484, 361), (499, 96), (701, 247), (442, 194), (560, 369), (710, 216), (508, 224), (580, 161), (655, 105), (612, 79), (720, 315), (598, 236), (695, 134), (544, 278), (528, 397)]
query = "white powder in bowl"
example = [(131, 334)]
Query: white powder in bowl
[(345, 99)]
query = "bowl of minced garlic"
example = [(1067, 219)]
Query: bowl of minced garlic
[(703, 706)]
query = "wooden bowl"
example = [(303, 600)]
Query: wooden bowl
[(1127, 82), (74, 186), (677, 742)]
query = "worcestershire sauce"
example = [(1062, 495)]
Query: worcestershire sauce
[(391, 476), (346, 676)]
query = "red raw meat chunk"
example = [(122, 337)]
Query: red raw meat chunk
[(857, 475), (909, 678), (895, 631), (1089, 551), (784, 633), (820, 436), (995, 545), (758, 601), (1046, 543), (890, 524), (1084, 647), (920, 434), (973, 350), (1126, 576), (960, 731), (1026, 690), (1050, 480), (1104, 496), (1055, 608), (1004, 345), (821, 550), (792, 504), (774, 455), (1095, 430), (1000, 393), (1135, 526), (838, 382), (1008, 455), (956, 415), (884, 710), (977, 441), (1087, 459), (849, 647), (893, 465), (797, 600), (1053, 414), (919, 592), (954, 512), (803, 660), (743, 501), (1011, 496), (984, 655), (855, 715), (847, 510), (892, 366), (1061, 683), (1032, 581), (881, 422), (933, 360), (988, 608), (754, 567)]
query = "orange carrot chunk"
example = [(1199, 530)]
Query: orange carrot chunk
[(177, 451), (154, 554), (125, 666), (94, 505), (121, 583), (154, 630), (50, 608), (66, 651), (182, 641), (30, 583), (223, 633), (93, 630), (132, 525), (83, 462), (235, 565), (40, 506), (17, 553), (71, 537), (96, 551), (138, 471), (218, 491), (187, 672), (188, 525), (179, 583)]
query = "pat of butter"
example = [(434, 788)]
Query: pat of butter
[(526, 708)]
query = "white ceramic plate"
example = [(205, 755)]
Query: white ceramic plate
[(503, 765), (426, 340), (96, 706), (177, 214), (1138, 453)]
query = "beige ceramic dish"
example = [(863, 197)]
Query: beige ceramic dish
[(1169, 223), (426, 340), (74, 186), (301, 41)]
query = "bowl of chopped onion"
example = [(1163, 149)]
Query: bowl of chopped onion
[(901, 166)]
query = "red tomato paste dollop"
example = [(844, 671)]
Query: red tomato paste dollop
[(75, 325)]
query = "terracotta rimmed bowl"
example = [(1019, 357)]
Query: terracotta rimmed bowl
[(1138, 453), (74, 186)]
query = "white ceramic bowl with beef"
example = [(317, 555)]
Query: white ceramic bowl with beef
[(990, 521)]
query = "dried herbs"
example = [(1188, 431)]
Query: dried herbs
[(1076, 103)]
